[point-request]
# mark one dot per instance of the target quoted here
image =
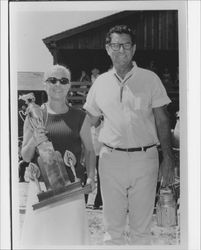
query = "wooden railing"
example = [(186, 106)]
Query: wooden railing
[(78, 92)]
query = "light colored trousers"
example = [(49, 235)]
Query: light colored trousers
[(128, 186)]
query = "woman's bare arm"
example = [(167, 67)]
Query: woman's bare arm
[(90, 157)]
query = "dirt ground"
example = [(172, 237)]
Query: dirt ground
[(161, 235)]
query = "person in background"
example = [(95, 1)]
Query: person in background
[(133, 103), (83, 79), (68, 128), (176, 143), (176, 131), (152, 66), (176, 80), (166, 78), (94, 74)]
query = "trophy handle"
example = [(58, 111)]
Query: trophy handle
[(34, 174), (69, 158), (70, 161)]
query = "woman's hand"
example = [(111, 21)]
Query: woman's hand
[(39, 135), (32, 172)]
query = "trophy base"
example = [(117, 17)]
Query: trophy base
[(56, 195)]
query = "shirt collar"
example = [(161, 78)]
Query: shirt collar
[(128, 75)]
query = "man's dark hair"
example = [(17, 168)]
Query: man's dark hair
[(120, 29)]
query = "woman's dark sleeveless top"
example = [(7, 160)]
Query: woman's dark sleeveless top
[(64, 133)]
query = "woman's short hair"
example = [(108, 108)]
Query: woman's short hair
[(57, 68), (120, 29)]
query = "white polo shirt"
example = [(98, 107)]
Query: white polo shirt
[(127, 106)]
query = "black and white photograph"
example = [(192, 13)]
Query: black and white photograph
[(98, 100)]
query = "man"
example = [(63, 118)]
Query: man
[(133, 102)]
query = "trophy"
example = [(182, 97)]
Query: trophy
[(51, 164)]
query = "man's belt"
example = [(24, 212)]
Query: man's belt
[(131, 149)]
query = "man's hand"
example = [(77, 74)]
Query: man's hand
[(92, 183), (166, 171)]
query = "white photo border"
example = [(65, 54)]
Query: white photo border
[(189, 157)]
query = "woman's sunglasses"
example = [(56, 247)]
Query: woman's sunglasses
[(54, 80)]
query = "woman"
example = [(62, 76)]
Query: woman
[(68, 128)]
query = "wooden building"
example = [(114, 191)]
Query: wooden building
[(84, 47)]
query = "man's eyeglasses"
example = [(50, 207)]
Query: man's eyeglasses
[(117, 46), (54, 80)]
